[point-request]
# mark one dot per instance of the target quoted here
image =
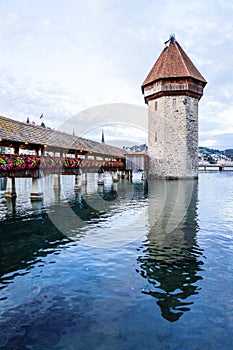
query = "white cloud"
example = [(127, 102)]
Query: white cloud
[(20, 100), (118, 134), (209, 143)]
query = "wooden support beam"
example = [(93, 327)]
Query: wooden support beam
[(10, 188)]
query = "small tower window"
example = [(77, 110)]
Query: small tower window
[(174, 103), (156, 105)]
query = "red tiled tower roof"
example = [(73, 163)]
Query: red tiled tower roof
[(173, 74), (173, 62)]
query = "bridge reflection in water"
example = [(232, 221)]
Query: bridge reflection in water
[(32, 230), (170, 258)]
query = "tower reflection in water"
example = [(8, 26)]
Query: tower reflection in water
[(170, 258)]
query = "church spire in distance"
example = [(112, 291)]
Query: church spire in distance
[(102, 140)]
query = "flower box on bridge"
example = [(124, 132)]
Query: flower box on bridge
[(29, 166)]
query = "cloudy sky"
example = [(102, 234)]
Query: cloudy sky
[(64, 57)]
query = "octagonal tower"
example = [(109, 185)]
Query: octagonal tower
[(172, 90)]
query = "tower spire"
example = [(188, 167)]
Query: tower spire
[(171, 39), (102, 140)]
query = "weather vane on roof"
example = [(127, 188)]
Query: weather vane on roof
[(172, 38)]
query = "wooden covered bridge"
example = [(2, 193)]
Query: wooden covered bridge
[(37, 151)]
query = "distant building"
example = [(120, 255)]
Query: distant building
[(136, 161)]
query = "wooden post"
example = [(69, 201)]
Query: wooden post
[(37, 149), (10, 188), (11, 204), (84, 178), (115, 176), (122, 174), (57, 182), (78, 180), (36, 193), (16, 149), (100, 178)]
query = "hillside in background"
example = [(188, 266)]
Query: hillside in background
[(205, 151), (135, 148), (210, 151)]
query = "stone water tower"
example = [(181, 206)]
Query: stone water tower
[(172, 90)]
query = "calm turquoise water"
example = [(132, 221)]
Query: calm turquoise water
[(131, 266)]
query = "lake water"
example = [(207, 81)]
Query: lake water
[(128, 266)]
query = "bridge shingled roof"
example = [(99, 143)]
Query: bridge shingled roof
[(173, 62), (20, 132)]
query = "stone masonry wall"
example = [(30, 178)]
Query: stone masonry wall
[(173, 137)]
